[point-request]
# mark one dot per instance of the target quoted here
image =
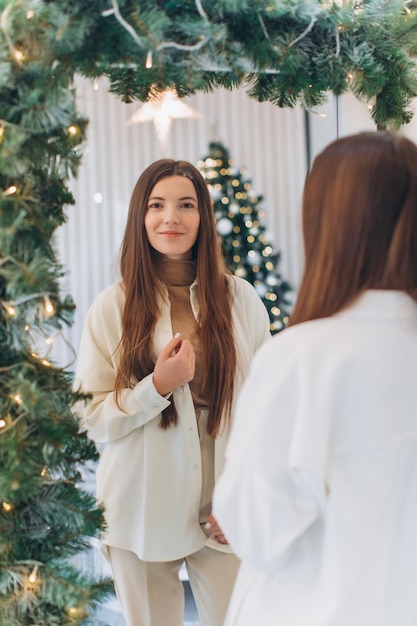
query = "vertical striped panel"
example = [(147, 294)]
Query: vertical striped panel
[(341, 116), (267, 141)]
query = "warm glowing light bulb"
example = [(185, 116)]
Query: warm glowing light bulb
[(10, 310), (76, 612), (72, 131), (2, 423), (18, 55), (30, 14), (33, 575), (49, 307), (18, 399), (148, 62), (10, 190), (7, 507)]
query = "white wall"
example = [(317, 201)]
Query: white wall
[(346, 115), (341, 116)]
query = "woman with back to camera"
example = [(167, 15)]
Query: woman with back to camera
[(319, 494), (164, 353)]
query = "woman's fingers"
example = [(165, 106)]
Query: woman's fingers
[(175, 365), (217, 531)]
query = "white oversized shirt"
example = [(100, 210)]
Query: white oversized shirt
[(150, 479), (319, 492)]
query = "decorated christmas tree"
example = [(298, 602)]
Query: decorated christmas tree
[(246, 247)]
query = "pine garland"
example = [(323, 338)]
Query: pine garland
[(287, 52)]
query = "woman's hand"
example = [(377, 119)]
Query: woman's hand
[(175, 365), (217, 531)]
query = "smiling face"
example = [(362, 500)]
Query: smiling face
[(172, 219)]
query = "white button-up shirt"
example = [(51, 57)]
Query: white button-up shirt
[(150, 479), (319, 492)]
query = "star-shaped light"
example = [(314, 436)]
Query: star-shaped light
[(162, 110)]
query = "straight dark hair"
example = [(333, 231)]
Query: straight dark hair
[(359, 222), (142, 285)]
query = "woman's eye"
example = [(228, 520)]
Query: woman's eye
[(188, 205)]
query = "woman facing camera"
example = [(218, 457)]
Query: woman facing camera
[(163, 354), (319, 493)]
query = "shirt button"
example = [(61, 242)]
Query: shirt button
[(190, 429), (155, 405), (195, 466), (166, 330)]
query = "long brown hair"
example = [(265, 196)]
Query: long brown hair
[(359, 222), (142, 288)]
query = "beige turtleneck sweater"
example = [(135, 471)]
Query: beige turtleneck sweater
[(178, 276)]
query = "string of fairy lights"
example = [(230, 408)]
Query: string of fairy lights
[(36, 335), (205, 38), (44, 307), (31, 311), (45, 310)]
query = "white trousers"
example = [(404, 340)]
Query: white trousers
[(152, 594)]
